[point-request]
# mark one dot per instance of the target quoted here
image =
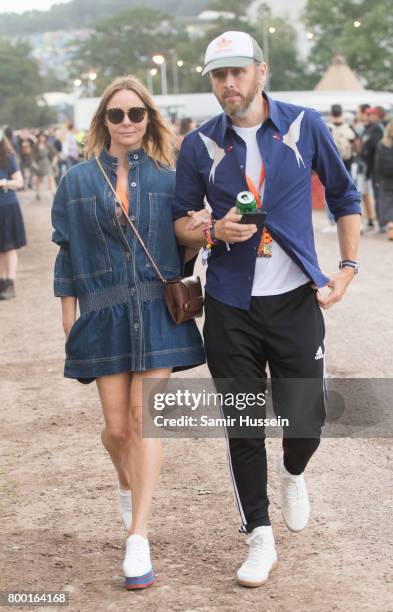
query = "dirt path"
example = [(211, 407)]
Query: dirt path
[(59, 526)]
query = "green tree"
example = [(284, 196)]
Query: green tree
[(368, 49), (80, 14), (51, 82), (21, 88), (238, 7), (125, 44), (287, 70)]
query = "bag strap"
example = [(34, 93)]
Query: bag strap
[(153, 263)]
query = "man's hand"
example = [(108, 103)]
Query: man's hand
[(338, 285), (229, 229)]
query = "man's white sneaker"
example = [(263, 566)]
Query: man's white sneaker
[(138, 572), (124, 504), (261, 559), (295, 505)]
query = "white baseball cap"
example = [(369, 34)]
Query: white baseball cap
[(232, 50)]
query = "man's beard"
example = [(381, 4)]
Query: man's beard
[(243, 106)]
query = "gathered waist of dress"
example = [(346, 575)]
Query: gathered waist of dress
[(120, 294)]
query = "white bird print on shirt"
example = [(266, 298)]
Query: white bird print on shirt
[(215, 153), (291, 138)]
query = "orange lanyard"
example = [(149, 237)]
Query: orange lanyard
[(252, 188), (265, 248)]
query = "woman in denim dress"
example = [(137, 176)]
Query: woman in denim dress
[(124, 333)]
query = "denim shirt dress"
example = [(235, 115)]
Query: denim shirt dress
[(124, 324)]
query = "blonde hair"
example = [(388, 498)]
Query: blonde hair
[(158, 141), (387, 139)]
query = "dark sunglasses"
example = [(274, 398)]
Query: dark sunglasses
[(136, 114)]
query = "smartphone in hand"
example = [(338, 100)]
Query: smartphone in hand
[(257, 219)]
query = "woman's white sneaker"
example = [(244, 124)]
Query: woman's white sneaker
[(261, 559), (138, 572), (124, 504), (295, 505)]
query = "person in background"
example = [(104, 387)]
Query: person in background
[(12, 230), (26, 145), (80, 140), (383, 167), (44, 162), (343, 135), (186, 126), (61, 166), (12, 139), (363, 184), (70, 146), (371, 137)]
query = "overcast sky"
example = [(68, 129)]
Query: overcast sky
[(19, 6)]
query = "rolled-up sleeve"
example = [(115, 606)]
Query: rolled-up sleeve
[(63, 277), (341, 194), (190, 188)]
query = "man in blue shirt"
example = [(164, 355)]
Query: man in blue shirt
[(263, 304)]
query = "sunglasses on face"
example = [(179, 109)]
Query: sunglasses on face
[(136, 114)]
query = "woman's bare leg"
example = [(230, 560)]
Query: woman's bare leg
[(2, 266), (114, 392), (10, 264), (144, 455)]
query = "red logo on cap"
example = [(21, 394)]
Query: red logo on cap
[(224, 42)]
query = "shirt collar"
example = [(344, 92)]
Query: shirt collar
[(134, 157), (226, 122)]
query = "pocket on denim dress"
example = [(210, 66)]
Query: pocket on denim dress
[(161, 240), (89, 251)]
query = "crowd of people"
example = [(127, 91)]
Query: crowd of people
[(29, 160), (365, 143), (45, 155)]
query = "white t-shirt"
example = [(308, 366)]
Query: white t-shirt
[(278, 273)]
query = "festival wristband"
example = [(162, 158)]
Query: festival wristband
[(349, 263)]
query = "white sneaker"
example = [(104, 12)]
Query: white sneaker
[(137, 568), (124, 504), (295, 505), (261, 559)]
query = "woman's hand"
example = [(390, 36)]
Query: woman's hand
[(68, 310), (197, 219), (67, 326)]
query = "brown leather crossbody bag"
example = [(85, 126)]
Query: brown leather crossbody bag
[(183, 296)]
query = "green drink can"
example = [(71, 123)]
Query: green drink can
[(246, 203)]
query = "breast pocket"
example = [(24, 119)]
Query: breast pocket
[(161, 240), (89, 251)]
